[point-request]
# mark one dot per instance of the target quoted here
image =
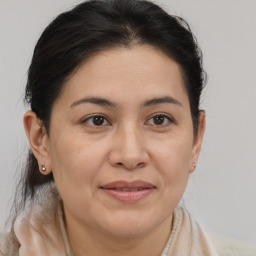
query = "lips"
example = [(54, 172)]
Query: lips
[(128, 191)]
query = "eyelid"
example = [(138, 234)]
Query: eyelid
[(170, 118), (87, 118)]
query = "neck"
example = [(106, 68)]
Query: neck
[(88, 241)]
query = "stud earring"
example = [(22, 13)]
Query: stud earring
[(43, 168), (194, 165)]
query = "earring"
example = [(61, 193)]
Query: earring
[(43, 168), (194, 165)]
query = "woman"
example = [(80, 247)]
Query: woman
[(115, 130)]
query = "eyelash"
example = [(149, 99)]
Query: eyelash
[(165, 116), (93, 116)]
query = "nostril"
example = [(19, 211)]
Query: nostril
[(138, 165), (141, 164)]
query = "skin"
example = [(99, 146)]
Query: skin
[(129, 145)]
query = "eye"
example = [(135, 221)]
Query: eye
[(96, 120), (160, 120)]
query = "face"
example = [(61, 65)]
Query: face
[(121, 142)]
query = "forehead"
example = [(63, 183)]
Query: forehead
[(122, 72)]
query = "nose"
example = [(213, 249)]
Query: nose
[(128, 149)]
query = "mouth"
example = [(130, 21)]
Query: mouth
[(128, 191)]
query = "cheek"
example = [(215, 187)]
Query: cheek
[(75, 169), (75, 160), (172, 159)]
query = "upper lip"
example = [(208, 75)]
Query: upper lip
[(126, 184)]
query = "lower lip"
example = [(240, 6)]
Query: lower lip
[(129, 196)]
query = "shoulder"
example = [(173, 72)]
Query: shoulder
[(8, 247), (227, 246)]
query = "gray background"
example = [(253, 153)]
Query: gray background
[(222, 192)]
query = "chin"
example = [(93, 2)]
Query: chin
[(128, 225)]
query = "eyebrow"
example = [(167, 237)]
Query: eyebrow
[(104, 102), (94, 100), (161, 100)]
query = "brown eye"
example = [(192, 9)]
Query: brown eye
[(160, 120), (96, 120)]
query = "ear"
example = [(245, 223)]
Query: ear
[(38, 140), (198, 140)]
